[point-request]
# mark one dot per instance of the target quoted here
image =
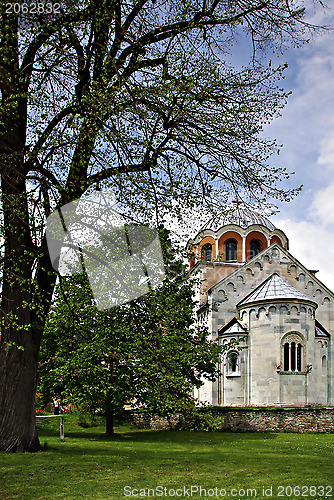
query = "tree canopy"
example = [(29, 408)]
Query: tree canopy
[(141, 96), (151, 352)]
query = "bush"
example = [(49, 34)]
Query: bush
[(202, 420)]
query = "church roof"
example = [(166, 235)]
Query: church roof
[(320, 331), (274, 288), (239, 214), (233, 326)]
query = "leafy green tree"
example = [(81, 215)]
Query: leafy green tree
[(151, 352), (138, 95)]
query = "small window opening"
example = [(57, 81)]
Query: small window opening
[(324, 362), (299, 358), (233, 363), (255, 248), (207, 252), (231, 248), (286, 357), (292, 357)]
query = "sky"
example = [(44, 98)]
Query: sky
[(306, 129)]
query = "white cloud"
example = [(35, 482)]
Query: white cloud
[(307, 132), (322, 206), (313, 246), (326, 153), (306, 127), (312, 239)]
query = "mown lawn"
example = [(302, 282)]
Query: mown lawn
[(88, 465)]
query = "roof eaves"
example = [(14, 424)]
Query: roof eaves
[(230, 323)]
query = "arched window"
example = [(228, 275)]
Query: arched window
[(207, 252), (232, 363), (255, 247), (293, 353), (324, 362), (231, 248)]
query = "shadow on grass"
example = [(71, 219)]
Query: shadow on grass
[(166, 436)]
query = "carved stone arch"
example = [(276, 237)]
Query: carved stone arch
[(292, 269), (310, 312), (241, 280), (249, 272), (326, 300), (284, 309), (294, 310), (301, 278), (272, 309), (243, 314), (294, 336), (261, 310), (275, 256), (252, 313), (303, 309), (231, 287), (266, 257), (222, 295), (258, 265)]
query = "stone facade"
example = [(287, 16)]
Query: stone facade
[(278, 314)]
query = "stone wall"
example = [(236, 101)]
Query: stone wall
[(260, 419)]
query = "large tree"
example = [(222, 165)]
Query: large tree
[(141, 94)]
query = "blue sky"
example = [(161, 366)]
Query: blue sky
[(306, 129)]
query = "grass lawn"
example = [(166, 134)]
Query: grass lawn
[(88, 465)]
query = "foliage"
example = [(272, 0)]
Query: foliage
[(150, 352), (202, 419), (140, 96)]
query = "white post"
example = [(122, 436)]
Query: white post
[(62, 429)]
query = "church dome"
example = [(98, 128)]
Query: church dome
[(241, 215), (236, 236)]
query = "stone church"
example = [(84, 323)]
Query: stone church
[(275, 317)]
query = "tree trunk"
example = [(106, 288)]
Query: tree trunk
[(19, 348), (24, 307), (17, 397), (25, 300), (23, 317), (109, 422)]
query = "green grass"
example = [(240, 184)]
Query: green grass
[(88, 465)]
